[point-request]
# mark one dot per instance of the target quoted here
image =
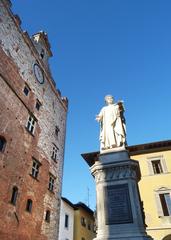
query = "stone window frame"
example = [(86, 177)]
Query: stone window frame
[(158, 192), (31, 124), (35, 169), (54, 152), (160, 158), (51, 185)]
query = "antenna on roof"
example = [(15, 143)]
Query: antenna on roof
[(88, 197)]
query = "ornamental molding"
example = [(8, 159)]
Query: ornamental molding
[(115, 173)]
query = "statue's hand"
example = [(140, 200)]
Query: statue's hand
[(98, 118)]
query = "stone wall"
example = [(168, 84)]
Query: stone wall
[(17, 57)]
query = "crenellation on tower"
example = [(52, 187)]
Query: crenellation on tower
[(7, 3), (42, 45), (41, 39)]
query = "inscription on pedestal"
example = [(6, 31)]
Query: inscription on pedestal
[(118, 206)]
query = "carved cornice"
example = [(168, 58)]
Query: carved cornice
[(119, 172)]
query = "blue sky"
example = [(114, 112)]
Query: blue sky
[(119, 47)]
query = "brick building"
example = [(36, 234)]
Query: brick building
[(32, 134)]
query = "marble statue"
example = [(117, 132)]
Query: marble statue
[(112, 124)]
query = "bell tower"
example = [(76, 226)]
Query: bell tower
[(40, 41)]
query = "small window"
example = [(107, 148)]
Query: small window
[(157, 167), (26, 90), (54, 152), (35, 168), (66, 220), (42, 53), (57, 131), (47, 216), (89, 226), (14, 195), (83, 222), (2, 143), (94, 228), (29, 205), (38, 105), (51, 183), (165, 200), (157, 164), (31, 124)]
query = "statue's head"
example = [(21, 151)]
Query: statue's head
[(109, 99)]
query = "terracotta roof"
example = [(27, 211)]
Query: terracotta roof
[(84, 206), (68, 202)]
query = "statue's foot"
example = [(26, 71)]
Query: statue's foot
[(113, 146)]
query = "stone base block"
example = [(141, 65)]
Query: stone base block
[(124, 238), (119, 210)]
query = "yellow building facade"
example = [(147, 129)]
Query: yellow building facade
[(83, 222), (155, 186)]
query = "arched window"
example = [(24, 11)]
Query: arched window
[(2, 143), (47, 216), (168, 237), (14, 195), (29, 205)]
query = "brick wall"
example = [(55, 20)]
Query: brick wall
[(17, 56)]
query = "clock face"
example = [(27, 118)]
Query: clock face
[(38, 73)]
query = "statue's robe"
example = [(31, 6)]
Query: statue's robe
[(112, 132)]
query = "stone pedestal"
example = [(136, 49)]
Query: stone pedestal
[(119, 212)]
